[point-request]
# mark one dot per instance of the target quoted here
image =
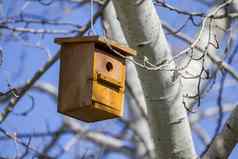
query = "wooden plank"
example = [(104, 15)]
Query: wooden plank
[(105, 93), (75, 88), (95, 112), (123, 49)]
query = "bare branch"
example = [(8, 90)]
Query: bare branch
[(224, 143), (209, 113), (201, 133), (39, 73)]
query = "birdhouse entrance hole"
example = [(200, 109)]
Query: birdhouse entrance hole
[(109, 66), (92, 78)]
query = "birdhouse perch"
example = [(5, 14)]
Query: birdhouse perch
[(92, 78)]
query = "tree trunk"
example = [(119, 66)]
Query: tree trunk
[(168, 119), (135, 98)]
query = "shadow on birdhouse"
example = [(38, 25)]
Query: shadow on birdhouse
[(92, 78)]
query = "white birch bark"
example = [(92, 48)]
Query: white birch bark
[(168, 119), (137, 105)]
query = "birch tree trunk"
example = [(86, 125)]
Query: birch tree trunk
[(163, 94), (136, 102), (168, 118)]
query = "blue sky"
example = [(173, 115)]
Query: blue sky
[(20, 62)]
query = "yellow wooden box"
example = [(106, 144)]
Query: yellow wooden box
[(92, 78)]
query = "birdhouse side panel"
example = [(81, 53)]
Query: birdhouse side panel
[(75, 86)]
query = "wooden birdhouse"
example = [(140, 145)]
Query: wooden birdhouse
[(92, 78)]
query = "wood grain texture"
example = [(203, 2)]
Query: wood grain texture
[(92, 81), (100, 40), (75, 72)]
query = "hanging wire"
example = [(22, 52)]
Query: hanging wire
[(146, 64), (92, 30)]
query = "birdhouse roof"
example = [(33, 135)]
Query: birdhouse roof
[(100, 41)]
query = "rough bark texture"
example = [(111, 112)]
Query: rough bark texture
[(168, 119)]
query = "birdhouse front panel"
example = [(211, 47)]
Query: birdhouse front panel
[(92, 78), (108, 88)]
